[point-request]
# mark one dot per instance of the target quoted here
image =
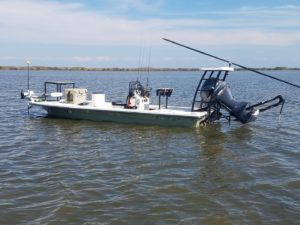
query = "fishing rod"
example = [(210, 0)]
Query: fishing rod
[(232, 63), (28, 70)]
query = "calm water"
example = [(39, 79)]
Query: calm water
[(56, 171)]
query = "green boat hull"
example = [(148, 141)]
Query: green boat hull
[(123, 117)]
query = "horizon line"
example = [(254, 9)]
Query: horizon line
[(120, 69)]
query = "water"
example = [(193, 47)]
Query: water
[(56, 171)]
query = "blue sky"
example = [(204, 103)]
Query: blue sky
[(128, 33)]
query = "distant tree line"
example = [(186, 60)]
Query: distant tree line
[(124, 69), (94, 69)]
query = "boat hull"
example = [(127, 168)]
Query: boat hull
[(149, 117)]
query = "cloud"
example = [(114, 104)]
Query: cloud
[(92, 59), (52, 22), (136, 5)]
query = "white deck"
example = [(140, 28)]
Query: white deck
[(170, 111)]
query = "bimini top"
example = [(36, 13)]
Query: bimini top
[(225, 68)]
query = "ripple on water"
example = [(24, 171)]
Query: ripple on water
[(56, 171)]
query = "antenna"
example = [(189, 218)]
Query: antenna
[(149, 61), (28, 68), (139, 62)]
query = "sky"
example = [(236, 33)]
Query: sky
[(128, 33)]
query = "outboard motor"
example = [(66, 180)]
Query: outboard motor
[(217, 92)]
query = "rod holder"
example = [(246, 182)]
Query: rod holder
[(163, 92)]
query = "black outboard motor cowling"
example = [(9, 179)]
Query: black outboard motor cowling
[(214, 91)]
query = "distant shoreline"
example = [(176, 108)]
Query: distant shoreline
[(115, 69)]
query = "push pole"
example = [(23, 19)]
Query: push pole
[(232, 63)]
